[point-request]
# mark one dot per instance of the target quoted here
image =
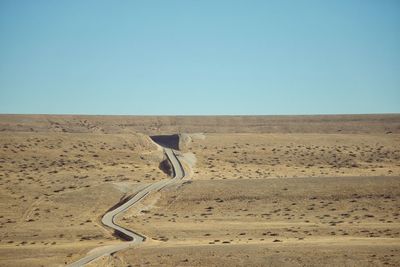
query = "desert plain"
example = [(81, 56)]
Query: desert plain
[(258, 190)]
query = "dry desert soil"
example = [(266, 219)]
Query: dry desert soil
[(258, 190)]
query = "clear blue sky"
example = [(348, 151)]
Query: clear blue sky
[(200, 57)]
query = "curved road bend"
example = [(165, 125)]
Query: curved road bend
[(109, 217)]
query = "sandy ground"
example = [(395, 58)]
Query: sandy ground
[(265, 191), (343, 124), (54, 187), (259, 156), (275, 214)]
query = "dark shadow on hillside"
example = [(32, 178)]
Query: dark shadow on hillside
[(169, 141)]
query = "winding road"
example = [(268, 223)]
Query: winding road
[(109, 218)]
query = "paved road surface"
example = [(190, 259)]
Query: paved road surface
[(108, 218)]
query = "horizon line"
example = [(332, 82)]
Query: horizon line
[(199, 115)]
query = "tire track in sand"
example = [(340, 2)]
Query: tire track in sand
[(132, 238)]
